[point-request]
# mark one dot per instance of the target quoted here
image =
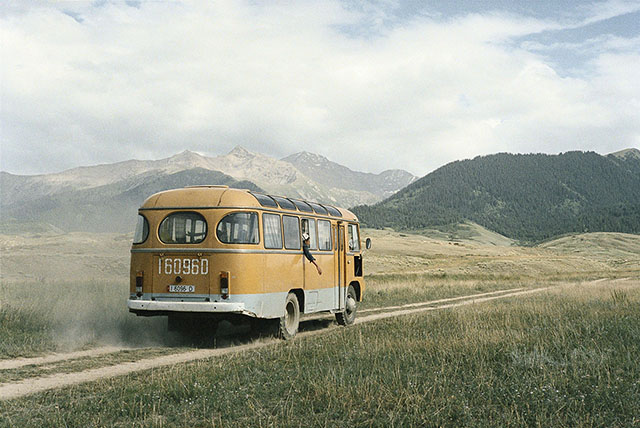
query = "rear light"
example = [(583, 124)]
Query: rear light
[(224, 284), (139, 282)]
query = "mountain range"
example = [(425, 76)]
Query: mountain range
[(524, 197), (527, 197), (104, 198)]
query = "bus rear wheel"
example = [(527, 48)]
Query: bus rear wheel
[(348, 316), (290, 321)]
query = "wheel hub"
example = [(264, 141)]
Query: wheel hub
[(351, 304), (290, 316)]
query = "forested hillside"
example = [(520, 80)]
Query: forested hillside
[(526, 197)]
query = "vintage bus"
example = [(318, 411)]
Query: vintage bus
[(206, 253)]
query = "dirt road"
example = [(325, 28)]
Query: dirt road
[(42, 383)]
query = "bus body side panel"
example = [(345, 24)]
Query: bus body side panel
[(246, 283), (282, 273), (319, 289)]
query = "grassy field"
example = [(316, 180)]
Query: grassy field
[(566, 357), (68, 316), (57, 314)]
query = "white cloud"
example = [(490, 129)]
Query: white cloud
[(601, 11), (105, 83)]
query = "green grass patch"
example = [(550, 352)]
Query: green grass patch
[(566, 358)]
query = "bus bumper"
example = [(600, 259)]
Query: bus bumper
[(150, 306)]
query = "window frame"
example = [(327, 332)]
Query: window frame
[(284, 232), (233, 213), (329, 235), (145, 230), (194, 214), (350, 228), (264, 230), (313, 244)]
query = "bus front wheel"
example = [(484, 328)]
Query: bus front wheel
[(348, 315), (290, 321)]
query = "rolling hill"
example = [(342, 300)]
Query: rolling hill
[(528, 197)]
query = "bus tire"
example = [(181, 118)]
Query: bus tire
[(348, 316), (290, 321)]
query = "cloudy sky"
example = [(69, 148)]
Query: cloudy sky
[(372, 85)]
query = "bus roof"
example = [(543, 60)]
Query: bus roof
[(204, 197)]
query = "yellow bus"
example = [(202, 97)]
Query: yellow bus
[(206, 253)]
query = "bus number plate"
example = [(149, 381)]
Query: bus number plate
[(183, 266), (182, 288)]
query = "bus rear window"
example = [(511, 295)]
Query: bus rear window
[(238, 228), (183, 228), (142, 230)]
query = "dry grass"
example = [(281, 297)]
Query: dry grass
[(67, 309), (563, 358)]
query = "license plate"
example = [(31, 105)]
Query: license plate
[(183, 266), (182, 288)]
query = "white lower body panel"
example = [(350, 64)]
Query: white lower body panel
[(266, 305), (269, 305)]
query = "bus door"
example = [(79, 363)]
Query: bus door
[(340, 267)]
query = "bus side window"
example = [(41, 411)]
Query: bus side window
[(309, 226), (238, 228), (291, 232), (324, 235), (272, 231), (354, 239)]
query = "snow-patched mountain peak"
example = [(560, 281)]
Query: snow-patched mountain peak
[(187, 156), (307, 158), (334, 175), (241, 152)]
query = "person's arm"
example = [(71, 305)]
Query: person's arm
[(307, 253), (317, 267), (309, 256)]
